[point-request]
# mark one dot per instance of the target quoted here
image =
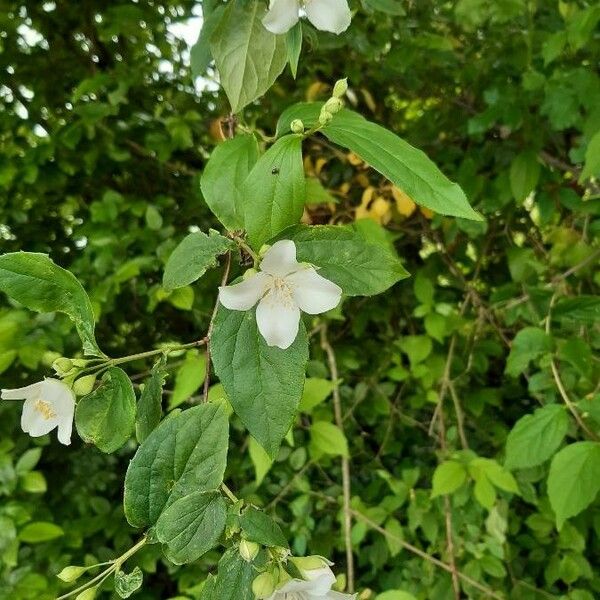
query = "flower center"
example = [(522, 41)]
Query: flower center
[(45, 409), (282, 293)]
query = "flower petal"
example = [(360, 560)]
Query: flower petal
[(29, 391), (280, 259), (60, 396), (32, 420), (278, 320), (65, 428), (329, 15), (321, 580), (312, 292), (281, 16), (244, 295)]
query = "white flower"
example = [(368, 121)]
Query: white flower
[(282, 288), (48, 404), (326, 15), (316, 586)]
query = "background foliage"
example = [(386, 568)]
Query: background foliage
[(103, 138)]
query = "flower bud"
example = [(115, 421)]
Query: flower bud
[(333, 105), (297, 126), (340, 87), (80, 362), (62, 366), (71, 574), (88, 594), (248, 550), (263, 250), (249, 273), (263, 586), (325, 117), (84, 385), (310, 563), (279, 553)]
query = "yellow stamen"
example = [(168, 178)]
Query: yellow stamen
[(45, 409)]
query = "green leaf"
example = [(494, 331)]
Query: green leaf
[(497, 474), (327, 438), (317, 194), (190, 259), (524, 175), (39, 284), (263, 383), (40, 531), (389, 7), (342, 255), (574, 479), (248, 57), (395, 595), (234, 578), (260, 459), (127, 583), (192, 526), (582, 308), (106, 417), (186, 453), (224, 176), (416, 347), (529, 344), (190, 376), (316, 390), (28, 460), (592, 159), (448, 477), (484, 492), (200, 54), (405, 166), (535, 438), (257, 526), (293, 44), (149, 408), (275, 191)]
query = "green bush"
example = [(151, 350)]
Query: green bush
[(461, 406)]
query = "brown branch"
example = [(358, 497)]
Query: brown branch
[(346, 484)]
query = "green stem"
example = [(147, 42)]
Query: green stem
[(114, 566), (242, 244), (229, 493)]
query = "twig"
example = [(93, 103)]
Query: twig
[(460, 416), (210, 329), (407, 546), (339, 419), (559, 384)]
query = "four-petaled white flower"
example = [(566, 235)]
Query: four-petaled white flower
[(316, 586), (48, 404), (327, 15), (283, 287)]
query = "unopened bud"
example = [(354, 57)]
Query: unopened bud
[(279, 553), (249, 273), (325, 117), (71, 574), (62, 366), (248, 550), (333, 105), (297, 126), (84, 385), (263, 586), (80, 362), (310, 563), (340, 87), (263, 250), (88, 594)]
